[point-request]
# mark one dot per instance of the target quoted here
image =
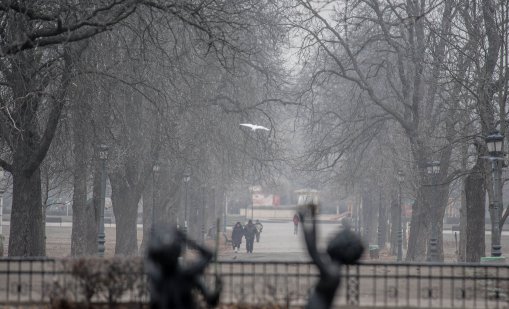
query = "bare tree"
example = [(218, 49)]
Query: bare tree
[(393, 58)]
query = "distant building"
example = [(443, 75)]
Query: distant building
[(307, 196), (259, 198)]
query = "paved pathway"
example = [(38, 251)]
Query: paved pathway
[(278, 243)]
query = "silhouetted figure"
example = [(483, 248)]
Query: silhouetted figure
[(249, 234), (171, 284), (345, 248), (259, 229), (295, 224), (237, 233)]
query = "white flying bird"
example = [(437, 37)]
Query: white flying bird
[(254, 127)]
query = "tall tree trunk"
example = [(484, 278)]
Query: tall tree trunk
[(84, 224), (475, 215), (26, 229), (439, 203), (382, 221), (368, 210), (82, 214), (394, 223), (148, 208), (193, 210), (420, 229), (29, 150), (125, 207), (169, 197), (96, 196), (463, 226)]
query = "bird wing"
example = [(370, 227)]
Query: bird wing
[(247, 125), (262, 128)]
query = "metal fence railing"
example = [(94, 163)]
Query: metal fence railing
[(371, 284), (287, 284)]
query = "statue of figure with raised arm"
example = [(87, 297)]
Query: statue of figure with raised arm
[(345, 248), (171, 284)]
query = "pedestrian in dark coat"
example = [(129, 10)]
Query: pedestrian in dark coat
[(237, 233), (249, 233), (296, 221)]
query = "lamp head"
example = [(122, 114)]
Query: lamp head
[(401, 176), (103, 152), (433, 167), (156, 167), (187, 175), (495, 143)]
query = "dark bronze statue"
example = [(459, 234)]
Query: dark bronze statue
[(171, 283), (344, 249)]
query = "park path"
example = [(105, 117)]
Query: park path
[(278, 243)]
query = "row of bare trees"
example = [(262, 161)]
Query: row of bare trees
[(381, 86), (159, 82), (393, 85)]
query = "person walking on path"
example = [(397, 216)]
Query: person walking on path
[(237, 233), (259, 228), (249, 234), (296, 221)]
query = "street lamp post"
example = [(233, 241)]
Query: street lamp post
[(401, 178), (252, 205), (433, 169), (155, 172), (2, 191), (187, 177), (225, 212), (381, 219), (204, 211), (101, 237), (495, 143)]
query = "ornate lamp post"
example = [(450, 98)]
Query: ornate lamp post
[(433, 169), (225, 212), (401, 178), (103, 156), (2, 191), (252, 202), (381, 221), (495, 143), (186, 179), (155, 172), (204, 211)]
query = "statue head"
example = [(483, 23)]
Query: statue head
[(165, 248), (346, 247)]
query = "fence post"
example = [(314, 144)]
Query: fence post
[(352, 285)]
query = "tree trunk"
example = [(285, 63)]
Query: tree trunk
[(420, 229), (394, 223), (84, 224), (168, 196), (439, 201), (368, 210), (125, 207), (29, 150), (148, 208), (96, 193), (82, 214), (194, 196), (382, 222), (475, 208), (26, 229), (463, 226)]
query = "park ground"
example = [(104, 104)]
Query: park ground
[(277, 243)]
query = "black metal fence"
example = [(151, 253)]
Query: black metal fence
[(372, 284), (288, 284)]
